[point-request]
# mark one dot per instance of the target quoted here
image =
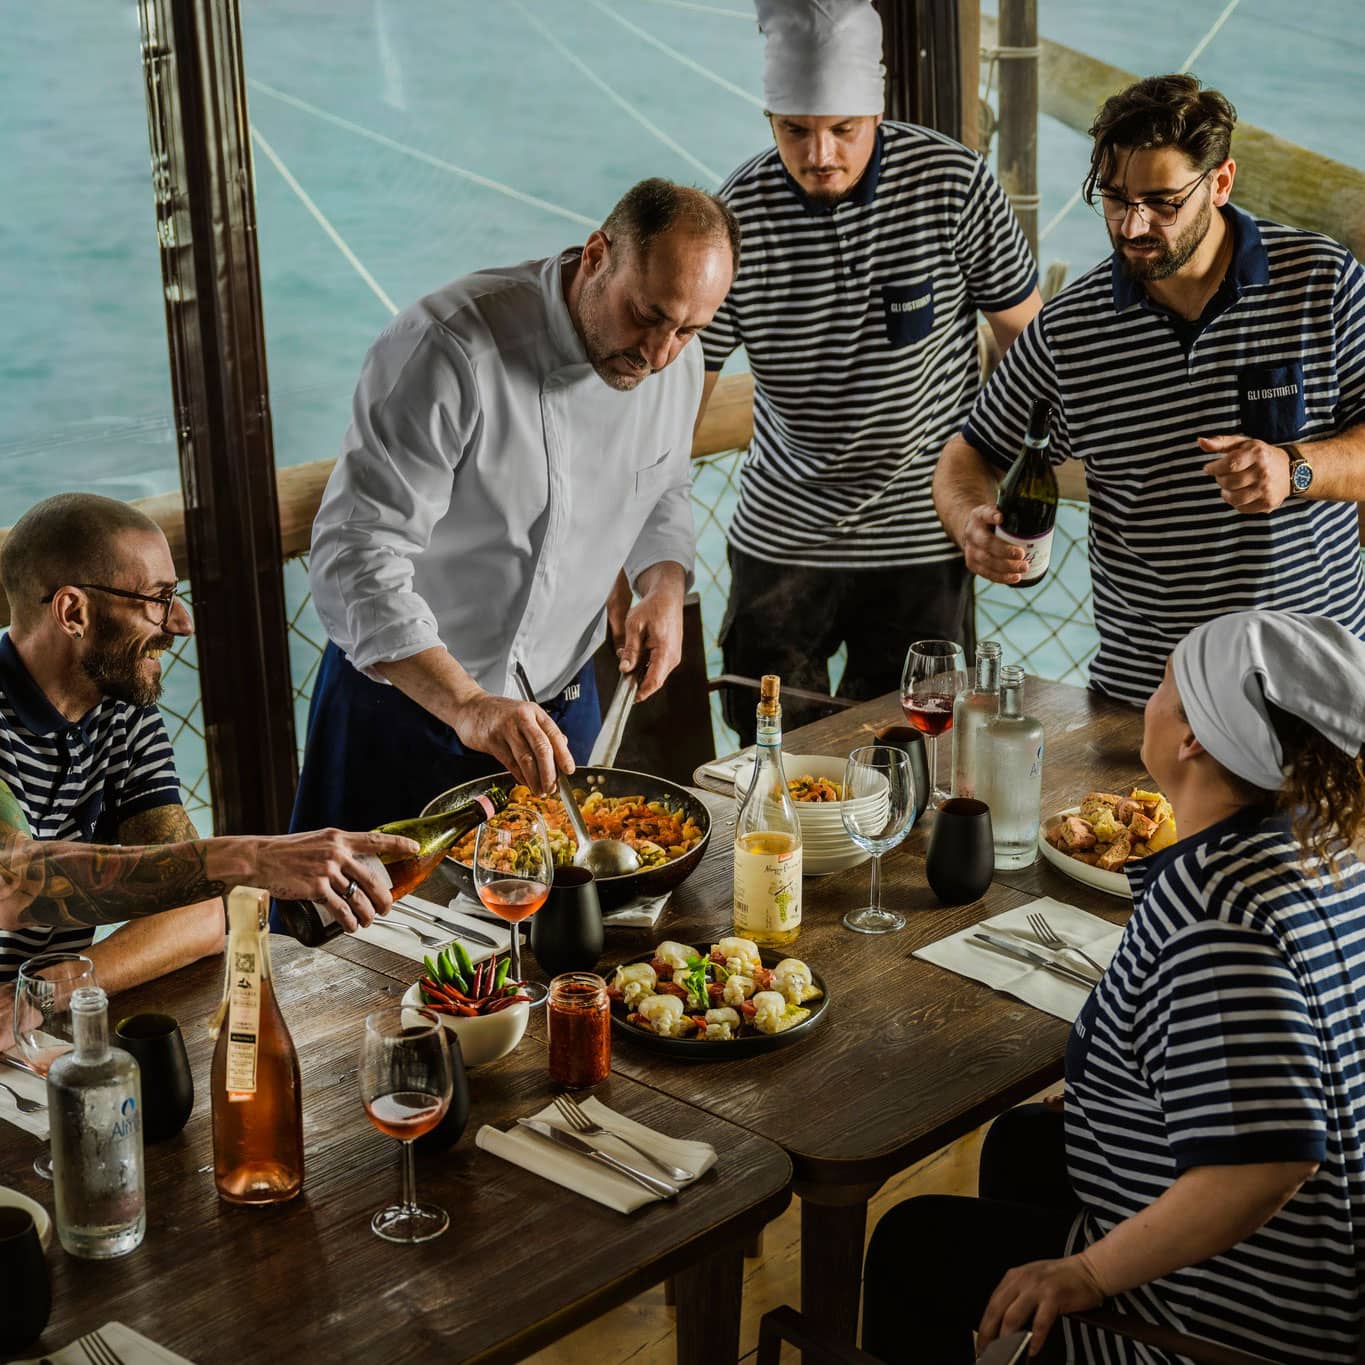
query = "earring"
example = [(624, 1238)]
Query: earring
[(80, 635)]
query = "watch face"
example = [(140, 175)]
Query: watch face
[(1301, 476)]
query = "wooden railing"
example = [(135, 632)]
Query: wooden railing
[(728, 425)]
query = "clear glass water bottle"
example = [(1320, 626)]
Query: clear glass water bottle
[(94, 1096), (973, 708), (1010, 774)]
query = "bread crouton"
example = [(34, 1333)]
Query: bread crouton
[(1074, 834), (1141, 827), (1114, 857), (1097, 802)]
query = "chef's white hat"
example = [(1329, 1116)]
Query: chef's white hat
[(822, 57)]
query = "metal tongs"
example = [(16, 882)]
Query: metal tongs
[(602, 857)]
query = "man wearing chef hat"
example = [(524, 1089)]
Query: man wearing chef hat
[(516, 438), (870, 247)]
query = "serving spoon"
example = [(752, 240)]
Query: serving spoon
[(602, 857)]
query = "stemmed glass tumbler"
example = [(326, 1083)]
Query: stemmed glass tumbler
[(514, 868), (405, 1085), (935, 672), (43, 1026), (878, 811)]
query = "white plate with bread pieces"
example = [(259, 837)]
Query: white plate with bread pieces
[(1094, 842)]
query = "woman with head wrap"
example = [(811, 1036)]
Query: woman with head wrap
[(1212, 1176)]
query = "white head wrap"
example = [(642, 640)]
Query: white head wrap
[(1227, 669), (822, 57)]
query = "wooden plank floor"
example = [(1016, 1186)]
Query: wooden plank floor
[(641, 1331)]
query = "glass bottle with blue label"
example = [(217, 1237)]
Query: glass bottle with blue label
[(94, 1096), (1010, 774)]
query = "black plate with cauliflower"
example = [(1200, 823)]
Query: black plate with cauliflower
[(678, 972)]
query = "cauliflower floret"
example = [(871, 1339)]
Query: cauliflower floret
[(721, 1023), (792, 978), (769, 1007), (675, 954), (738, 989), (663, 1013), (741, 955), (635, 981)]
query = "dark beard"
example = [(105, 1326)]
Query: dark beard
[(599, 356), (1171, 258), (111, 663)]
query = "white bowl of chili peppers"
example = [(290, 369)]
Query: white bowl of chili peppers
[(476, 1004)]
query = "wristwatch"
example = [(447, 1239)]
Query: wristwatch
[(1300, 471)]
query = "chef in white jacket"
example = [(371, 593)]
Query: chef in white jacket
[(518, 438)]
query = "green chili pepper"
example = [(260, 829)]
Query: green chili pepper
[(500, 979), (446, 961), (433, 971), (462, 958)]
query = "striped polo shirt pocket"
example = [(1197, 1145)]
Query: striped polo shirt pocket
[(909, 310), (1272, 401)]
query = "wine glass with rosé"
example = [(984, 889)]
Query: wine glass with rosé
[(935, 672), (514, 868), (405, 1084), (43, 1026)]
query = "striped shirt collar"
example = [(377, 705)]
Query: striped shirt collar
[(35, 713), (1250, 263), (1248, 818), (861, 194)]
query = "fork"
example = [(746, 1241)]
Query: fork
[(26, 1105), (577, 1120), (98, 1351), (427, 940), (1050, 938)]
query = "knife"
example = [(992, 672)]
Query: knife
[(472, 935), (1022, 953), (576, 1144), (613, 730)]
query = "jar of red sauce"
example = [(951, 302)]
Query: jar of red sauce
[(578, 1017)]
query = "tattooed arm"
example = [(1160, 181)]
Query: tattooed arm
[(63, 883)]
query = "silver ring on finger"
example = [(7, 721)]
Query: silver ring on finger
[(351, 888)]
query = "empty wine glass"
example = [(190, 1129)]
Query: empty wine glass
[(878, 811), (935, 672), (514, 868), (405, 1085), (42, 1014)]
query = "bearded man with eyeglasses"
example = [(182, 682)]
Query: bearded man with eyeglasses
[(1210, 373), (92, 830)]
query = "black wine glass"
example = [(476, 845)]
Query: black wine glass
[(157, 1044), (961, 857), (456, 1118), (566, 934), (26, 1302)]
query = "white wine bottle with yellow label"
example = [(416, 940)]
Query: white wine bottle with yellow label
[(768, 838)]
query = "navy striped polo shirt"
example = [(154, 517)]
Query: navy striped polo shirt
[(1230, 1030), (75, 780), (859, 323), (1279, 354)]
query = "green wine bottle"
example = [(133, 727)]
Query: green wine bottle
[(311, 922), (1028, 498)]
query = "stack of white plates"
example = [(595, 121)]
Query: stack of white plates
[(825, 843)]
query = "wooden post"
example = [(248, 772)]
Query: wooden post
[(206, 225), (1018, 160), (923, 76), (969, 55)]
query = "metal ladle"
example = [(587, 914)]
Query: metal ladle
[(602, 857)]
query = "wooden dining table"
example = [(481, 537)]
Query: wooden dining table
[(909, 1056), (524, 1260)]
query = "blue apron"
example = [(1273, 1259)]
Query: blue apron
[(374, 755)]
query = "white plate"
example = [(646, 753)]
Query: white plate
[(12, 1198), (1115, 883)]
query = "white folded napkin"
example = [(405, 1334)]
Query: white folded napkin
[(724, 769), (1035, 986), (587, 1177), (641, 913), (31, 1086), (131, 1348), (386, 933)]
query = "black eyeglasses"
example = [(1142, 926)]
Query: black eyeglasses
[(1162, 212), (166, 601)]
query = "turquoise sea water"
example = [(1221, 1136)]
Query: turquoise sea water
[(398, 145)]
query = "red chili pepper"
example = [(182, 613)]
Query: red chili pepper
[(451, 995), (502, 1002)]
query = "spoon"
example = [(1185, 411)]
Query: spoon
[(602, 857)]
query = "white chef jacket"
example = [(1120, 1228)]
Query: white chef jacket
[(491, 485)]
